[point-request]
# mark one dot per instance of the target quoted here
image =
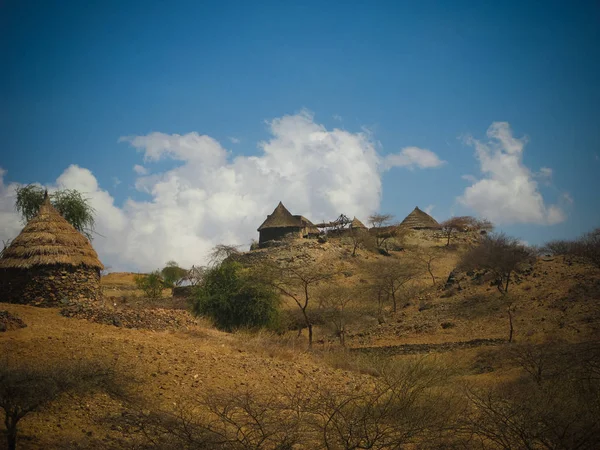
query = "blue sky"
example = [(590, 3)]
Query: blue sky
[(435, 76)]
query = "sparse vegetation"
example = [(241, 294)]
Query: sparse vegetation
[(151, 284), (232, 297), (499, 254), (28, 386), (297, 281), (173, 275), (587, 247), (464, 223)]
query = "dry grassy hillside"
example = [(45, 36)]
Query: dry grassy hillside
[(181, 383)]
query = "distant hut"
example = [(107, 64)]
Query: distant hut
[(419, 220), (49, 263), (357, 225), (281, 224)]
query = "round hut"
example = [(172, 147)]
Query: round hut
[(357, 225), (49, 263), (420, 220), (281, 224)]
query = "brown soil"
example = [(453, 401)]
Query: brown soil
[(174, 356)]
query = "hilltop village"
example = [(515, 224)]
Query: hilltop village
[(323, 335)]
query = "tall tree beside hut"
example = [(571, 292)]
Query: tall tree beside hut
[(70, 204)]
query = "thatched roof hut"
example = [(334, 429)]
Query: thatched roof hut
[(357, 224), (280, 218), (281, 224), (49, 262), (419, 220)]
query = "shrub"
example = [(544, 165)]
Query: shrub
[(152, 284), (233, 298)]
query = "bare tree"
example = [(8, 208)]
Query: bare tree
[(587, 247), (335, 304), (389, 276), (554, 405), (499, 254), (360, 238), (296, 280), (221, 252), (464, 223), (26, 386), (427, 256), (382, 228)]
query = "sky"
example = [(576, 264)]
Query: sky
[(185, 123)]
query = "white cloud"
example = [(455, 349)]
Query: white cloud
[(507, 192), (429, 209), (140, 170), (412, 157), (10, 224), (566, 197), (213, 198), (545, 172), (234, 140), (116, 182)]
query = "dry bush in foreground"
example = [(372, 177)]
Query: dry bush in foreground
[(403, 405), (27, 386), (555, 405)]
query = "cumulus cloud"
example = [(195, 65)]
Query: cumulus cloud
[(429, 209), (234, 140), (213, 197), (140, 170), (411, 157), (507, 191), (10, 224)]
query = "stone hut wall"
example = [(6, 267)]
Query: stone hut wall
[(49, 285), (277, 234)]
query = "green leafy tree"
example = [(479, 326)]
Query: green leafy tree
[(152, 284), (173, 275), (233, 298), (71, 204)]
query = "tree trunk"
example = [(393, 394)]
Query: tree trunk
[(431, 273), (310, 335), (11, 433), (507, 281), (510, 324), (393, 302)]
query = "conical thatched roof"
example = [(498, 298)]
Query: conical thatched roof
[(48, 239), (419, 219), (357, 224), (281, 218)]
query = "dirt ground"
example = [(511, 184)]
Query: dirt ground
[(554, 299)]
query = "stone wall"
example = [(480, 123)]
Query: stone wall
[(49, 285)]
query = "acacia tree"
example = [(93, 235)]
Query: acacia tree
[(391, 275), (360, 238), (335, 304), (70, 203), (382, 228), (462, 223), (502, 256), (499, 254), (297, 281)]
